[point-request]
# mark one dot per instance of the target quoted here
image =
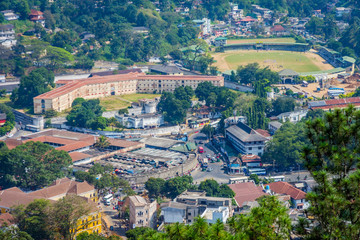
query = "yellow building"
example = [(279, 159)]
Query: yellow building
[(60, 188), (90, 223)]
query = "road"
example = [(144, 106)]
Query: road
[(219, 174), (111, 217)]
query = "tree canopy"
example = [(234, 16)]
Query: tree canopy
[(38, 81), (32, 165), (286, 146)]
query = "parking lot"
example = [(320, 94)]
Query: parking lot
[(143, 161)]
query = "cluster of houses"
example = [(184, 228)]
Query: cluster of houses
[(7, 31), (195, 203)]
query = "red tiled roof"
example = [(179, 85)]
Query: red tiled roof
[(263, 132), (12, 197), (34, 12), (74, 146), (250, 158), (62, 187), (288, 189), (76, 156), (6, 218), (277, 28), (246, 192)]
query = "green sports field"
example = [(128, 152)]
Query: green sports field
[(275, 60)]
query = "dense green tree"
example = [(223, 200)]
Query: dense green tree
[(283, 104), (10, 119), (256, 113), (174, 186), (12, 232), (77, 101), (154, 186), (173, 109), (313, 114), (32, 165), (99, 123), (330, 155), (315, 26), (33, 218), (82, 115), (214, 189), (286, 146), (95, 236), (65, 215), (268, 221), (37, 82), (134, 234)]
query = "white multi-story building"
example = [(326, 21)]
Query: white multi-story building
[(341, 11), (245, 139), (142, 213), (7, 35), (9, 15), (294, 116)]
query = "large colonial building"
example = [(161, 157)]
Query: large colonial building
[(67, 91)]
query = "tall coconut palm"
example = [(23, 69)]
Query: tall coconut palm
[(102, 142)]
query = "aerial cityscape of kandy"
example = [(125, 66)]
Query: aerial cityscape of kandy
[(179, 120)]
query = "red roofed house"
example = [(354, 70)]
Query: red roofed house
[(246, 21), (278, 30), (37, 17), (246, 192), (297, 196), (2, 118)]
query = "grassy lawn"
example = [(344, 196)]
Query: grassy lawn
[(137, 96), (5, 99), (275, 60), (113, 103), (257, 40), (118, 102)]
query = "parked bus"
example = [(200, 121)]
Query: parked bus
[(238, 180), (201, 150), (257, 171), (280, 178)]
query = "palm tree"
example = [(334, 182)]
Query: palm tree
[(102, 143), (217, 231), (176, 231), (200, 228)]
